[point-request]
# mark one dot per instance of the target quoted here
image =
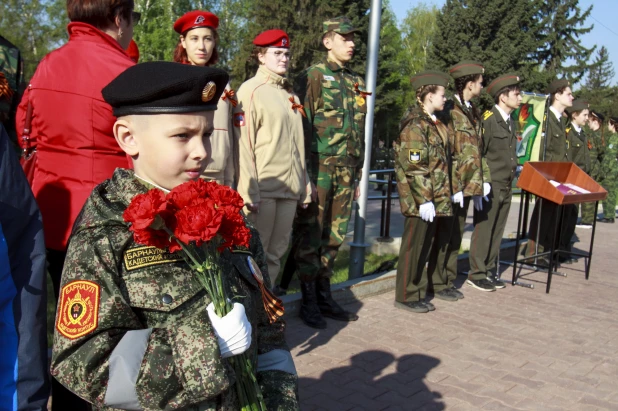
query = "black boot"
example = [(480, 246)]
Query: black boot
[(328, 306), (309, 311)]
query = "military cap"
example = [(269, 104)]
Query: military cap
[(613, 120), (195, 19), (598, 115), (578, 105), (429, 77), (160, 87), (341, 25), (495, 87), (466, 68), (272, 38), (556, 85)]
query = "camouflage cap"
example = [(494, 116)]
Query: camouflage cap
[(578, 105), (495, 87), (598, 115), (429, 77), (466, 68), (556, 85), (341, 25)]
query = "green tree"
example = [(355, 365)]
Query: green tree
[(418, 29), (35, 26), (562, 24), (597, 89)]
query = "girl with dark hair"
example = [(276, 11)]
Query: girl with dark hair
[(424, 184), (197, 45), (70, 127)]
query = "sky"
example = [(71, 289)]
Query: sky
[(604, 33)]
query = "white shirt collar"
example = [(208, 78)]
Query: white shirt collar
[(556, 112), (467, 102), (433, 117), (505, 116), (576, 127)]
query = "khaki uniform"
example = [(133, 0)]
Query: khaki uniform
[(422, 171), (272, 159), (556, 151), (593, 140), (578, 152), (222, 163), (132, 326), (499, 150)]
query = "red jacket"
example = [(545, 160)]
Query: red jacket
[(72, 126)]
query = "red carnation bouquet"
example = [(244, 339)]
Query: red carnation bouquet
[(200, 219)]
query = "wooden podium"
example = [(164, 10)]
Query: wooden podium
[(571, 186)]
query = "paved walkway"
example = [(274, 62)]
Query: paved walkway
[(515, 348)]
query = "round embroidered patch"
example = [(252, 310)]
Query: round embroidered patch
[(78, 309), (255, 270)]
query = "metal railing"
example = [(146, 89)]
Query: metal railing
[(386, 197)]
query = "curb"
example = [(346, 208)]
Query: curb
[(357, 289)]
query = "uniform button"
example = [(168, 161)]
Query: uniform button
[(167, 299)]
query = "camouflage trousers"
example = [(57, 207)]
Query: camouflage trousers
[(609, 204), (320, 229)]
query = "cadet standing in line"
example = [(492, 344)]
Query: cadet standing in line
[(380, 159), (143, 337), (555, 147), (593, 141), (424, 184), (500, 151), (334, 136), (469, 170), (609, 171), (579, 154)]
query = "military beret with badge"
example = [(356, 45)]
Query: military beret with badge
[(161, 87), (466, 68), (195, 19), (497, 85), (272, 38)]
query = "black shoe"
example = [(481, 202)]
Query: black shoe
[(329, 307), (446, 295), (309, 310), (278, 291), (497, 283), (430, 306), (483, 284), (414, 306)]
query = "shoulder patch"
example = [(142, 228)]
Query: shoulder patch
[(239, 119), (487, 114), (140, 257), (78, 309)]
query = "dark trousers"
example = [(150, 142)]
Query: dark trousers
[(62, 398), (546, 231), (489, 225), (568, 228), (442, 252), (416, 243)]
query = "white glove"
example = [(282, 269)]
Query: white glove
[(486, 189), (427, 211), (458, 198), (233, 331), (478, 203)]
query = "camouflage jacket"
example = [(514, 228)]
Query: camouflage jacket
[(556, 138), (578, 148), (593, 141), (144, 303), (335, 109), (472, 170), (609, 162), (422, 164), (499, 147)]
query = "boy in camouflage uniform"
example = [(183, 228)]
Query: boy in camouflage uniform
[(132, 329), (593, 141), (334, 136), (609, 171)]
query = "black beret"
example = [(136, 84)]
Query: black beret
[(495, 87), (598, 115), (161, 87), (556, 85), (578, 105)]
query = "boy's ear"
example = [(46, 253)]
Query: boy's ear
[(125, 138), (327, 41)]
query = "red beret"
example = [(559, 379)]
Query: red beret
[(272, 38), (194, 19), (133, 51)]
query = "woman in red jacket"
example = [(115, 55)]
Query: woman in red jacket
[(71, 124), (197, 45)]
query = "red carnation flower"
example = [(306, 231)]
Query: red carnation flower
[(197, 223), (227, 198), (144, 208), (234, 231), (187, 193)]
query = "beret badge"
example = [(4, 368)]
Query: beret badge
[(209, 91)]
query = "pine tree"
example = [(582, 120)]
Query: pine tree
[(562, 22), (597, 90)]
